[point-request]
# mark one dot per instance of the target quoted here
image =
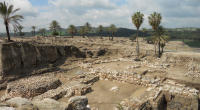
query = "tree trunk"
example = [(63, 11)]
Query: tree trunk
[(155, 48), (7, 30), (162, 49), (137, 47), (112, 35), (159, 53)]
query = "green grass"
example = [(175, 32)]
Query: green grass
[(192, 43)]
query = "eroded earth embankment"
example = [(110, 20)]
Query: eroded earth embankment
[(19, 59)]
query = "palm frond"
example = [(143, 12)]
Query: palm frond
[(10, 10), (14, 11), (138, 19)]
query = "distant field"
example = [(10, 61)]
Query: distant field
[(192, 43)]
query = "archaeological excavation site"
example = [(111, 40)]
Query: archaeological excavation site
[(55, 73)]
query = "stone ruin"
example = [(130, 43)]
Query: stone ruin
[(17, 60)]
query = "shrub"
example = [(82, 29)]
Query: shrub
[(133, 38), (55, 33)]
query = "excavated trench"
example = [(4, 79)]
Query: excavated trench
[(119, 84)]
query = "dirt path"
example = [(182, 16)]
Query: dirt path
[(104, 99)]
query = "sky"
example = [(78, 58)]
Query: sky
[(39, 13)]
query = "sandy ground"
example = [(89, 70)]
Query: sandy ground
[(104, 99)]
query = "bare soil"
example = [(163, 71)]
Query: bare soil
[(104, 99)]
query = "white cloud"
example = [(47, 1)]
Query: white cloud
[(26, 9), (176, 13)]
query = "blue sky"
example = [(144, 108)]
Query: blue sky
[(39, 2), (45, 2), (175, 13)]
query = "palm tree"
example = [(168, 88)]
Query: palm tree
[(100, 30), (137, 20), (112, 30), (42, 31), (20, 30), (82, 31), (154, 21), (33, 30), (72, 30), (54, 27), (88, 28), (7, 12)]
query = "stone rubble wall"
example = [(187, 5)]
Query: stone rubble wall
[(19, 103), (30, 87), (66, 90), (160, 91), (21, 58)]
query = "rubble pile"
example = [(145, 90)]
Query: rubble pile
[(189, 61), (160, 83), (67, 90), (18, 103), (157, 99), (193, 69), (31, 86)]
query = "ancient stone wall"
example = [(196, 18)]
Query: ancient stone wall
[(20, 58)]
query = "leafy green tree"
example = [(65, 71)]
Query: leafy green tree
[(155, 20), (164, 40), (15, 31), (33, 30), (155, 42), (144, 31), (112, 30), (133, 37), (82, 32), (42, 31), (72, 30), (54, 27), (7, 12), (20, 30), (137, 20), (88, 28), (100, 30)]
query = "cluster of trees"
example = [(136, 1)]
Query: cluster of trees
[(7, 12), (85, 30), (159, 39)]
